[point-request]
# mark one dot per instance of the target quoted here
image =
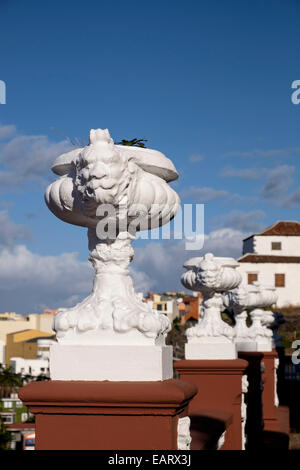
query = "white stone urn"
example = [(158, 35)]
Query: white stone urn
[(263, 297), (113, 190), (273, 320), (239, 300), (211, 338)]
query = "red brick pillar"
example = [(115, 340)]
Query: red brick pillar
[(276, 418), (84, 415), (219, 384), (254, 419), (270, 415)]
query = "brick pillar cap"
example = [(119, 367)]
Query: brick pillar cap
[(168, 392), (225, 366)]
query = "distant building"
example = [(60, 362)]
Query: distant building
[(272, 257), (12, 410), (23, 435), (50, 311), (2, 352), (12, 322), (10, 316), (33, 367), (189, 308), (164, 304), (176, 305), (25, 344)]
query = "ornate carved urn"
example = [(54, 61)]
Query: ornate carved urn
[(113, 190), (239, 300), (263, 297), (273, 320), (211, 338)]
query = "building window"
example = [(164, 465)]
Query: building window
[(276, 245), (252, 277), (8, 418), (279, 280), (159, 307), (7, 404)]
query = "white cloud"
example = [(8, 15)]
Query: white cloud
[(293, 200), (204, 194), (196, 158), (245, 173), (246, 222), (29, 282), (28, 158), (162, 262), (11, 232), (141, 280), (271, 153), (7, 131), (277, 183)]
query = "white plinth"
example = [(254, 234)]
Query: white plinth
[(211, 350), (264, 346), (115, 363), (246, 345)]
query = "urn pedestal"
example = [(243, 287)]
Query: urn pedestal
[(275, 418), (219, 384), (269, 392), (111, 371), (254, 415), (86, 415)]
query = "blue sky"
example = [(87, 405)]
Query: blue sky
[(206, 82)]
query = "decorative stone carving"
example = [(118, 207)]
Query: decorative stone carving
[(239, 300), (211, 338), (221, 441), (265, 297), (245, 385), (273, 320), (131, 183), (276, 365), (262, 334), (183, 434)]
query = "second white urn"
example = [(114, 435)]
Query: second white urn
[(212, 337)]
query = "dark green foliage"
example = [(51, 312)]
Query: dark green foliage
[(9, 381), (133, 142), (5, 436)]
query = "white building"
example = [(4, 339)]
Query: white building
[(272, 257), (2, 352), (165, 305), (34, 367)]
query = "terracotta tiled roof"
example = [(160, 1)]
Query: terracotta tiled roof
[(283, 228), (253, 258)]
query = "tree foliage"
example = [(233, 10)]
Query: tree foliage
[(133, 142), (9, 381), (5, 436)]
